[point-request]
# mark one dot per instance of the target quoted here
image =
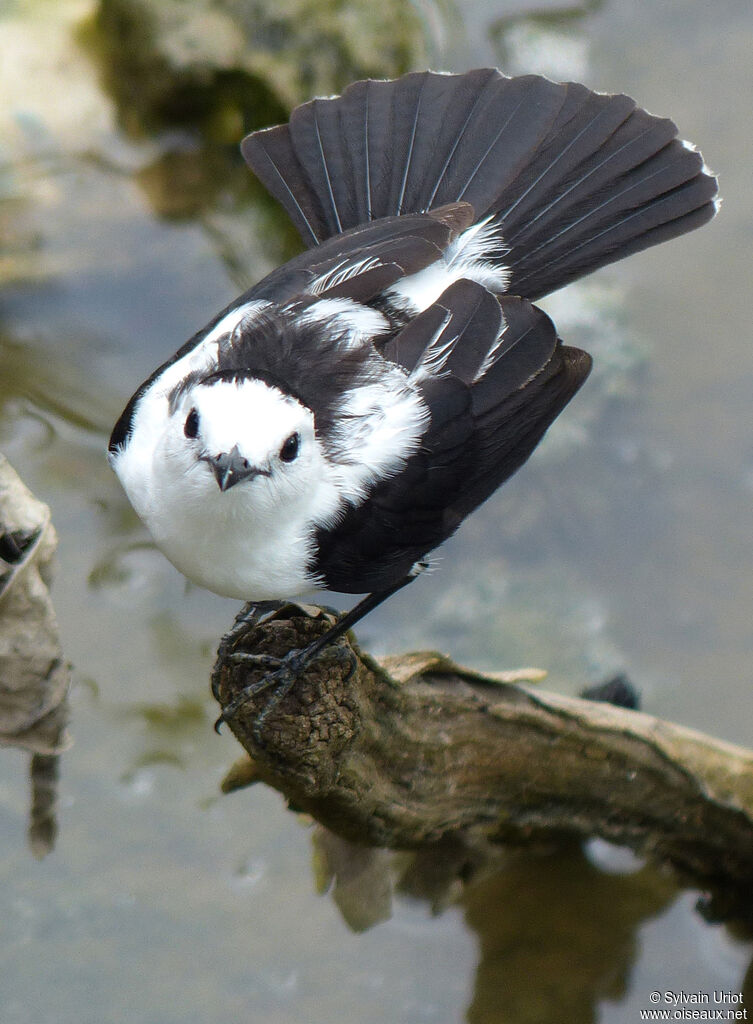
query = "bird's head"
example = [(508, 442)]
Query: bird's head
[(243, 435)]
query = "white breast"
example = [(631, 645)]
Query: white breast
[(228, 542), (242, 556)]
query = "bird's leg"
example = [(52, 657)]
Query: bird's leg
[(248, 617), (286, 670)]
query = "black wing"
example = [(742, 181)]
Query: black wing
[(491, 397)]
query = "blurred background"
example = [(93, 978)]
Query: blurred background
[(127, 219)]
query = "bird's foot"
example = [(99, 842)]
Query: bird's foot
[(245, 621), (281, 676)]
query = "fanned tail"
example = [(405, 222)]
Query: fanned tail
[(573, 179)]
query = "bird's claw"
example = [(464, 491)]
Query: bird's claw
[(280, 678), (283, 674)]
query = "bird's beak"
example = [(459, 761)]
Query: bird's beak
[(231, 467)]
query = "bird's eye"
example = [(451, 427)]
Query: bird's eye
[(290, 449), (191, 426)]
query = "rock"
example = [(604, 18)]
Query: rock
[(177, 61)]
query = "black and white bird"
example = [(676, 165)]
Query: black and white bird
[(338, 421)]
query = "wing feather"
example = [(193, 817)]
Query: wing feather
[(482, 428)]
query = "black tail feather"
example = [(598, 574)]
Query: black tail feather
[(574, 179), (275, 164)]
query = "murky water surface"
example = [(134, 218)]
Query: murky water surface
[(623, 546)]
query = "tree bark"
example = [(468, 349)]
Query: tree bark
[(416, 750)]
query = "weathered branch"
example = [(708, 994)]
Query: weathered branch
[(418, 749)]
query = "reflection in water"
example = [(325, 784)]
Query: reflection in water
[(557, 935), (359, 878), (170, 732), (34, 678)]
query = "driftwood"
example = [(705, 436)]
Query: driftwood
[(416, 750), (34, 676)]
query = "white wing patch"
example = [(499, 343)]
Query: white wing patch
[(343, 271), (481, 246), (380, 427), (358, 322), (476, 255)]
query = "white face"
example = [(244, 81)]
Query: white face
[(228, 479), (243, 437)]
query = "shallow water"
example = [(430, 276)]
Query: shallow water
[(623, 546)]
